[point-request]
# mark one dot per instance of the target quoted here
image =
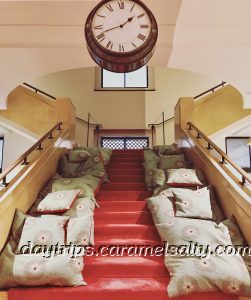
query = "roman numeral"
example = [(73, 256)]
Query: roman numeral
[(100, 36), (109, 7), (121, 48), (144, 26), (140, 16), (132, 7), (134, 45), (121, 4), (100, 16), (98, 27), (141, 37), (109, 45)]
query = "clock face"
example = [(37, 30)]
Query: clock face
[(121, 26)]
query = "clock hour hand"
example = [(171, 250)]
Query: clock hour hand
[(120, 26), (112, 28)]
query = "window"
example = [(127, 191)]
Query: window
[(239, 151), (136, 79), (125, 142)]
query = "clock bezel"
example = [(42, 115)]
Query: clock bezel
[(134, 50), (114, 61)]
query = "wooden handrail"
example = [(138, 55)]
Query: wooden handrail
[(224, 157), (39, 91), (23, 158), (210, 90)]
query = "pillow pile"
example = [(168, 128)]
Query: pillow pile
[(58, 202)]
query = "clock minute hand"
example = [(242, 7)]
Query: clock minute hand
[(129, 20), (120, 26)]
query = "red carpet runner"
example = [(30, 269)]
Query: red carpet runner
[(123, 219)]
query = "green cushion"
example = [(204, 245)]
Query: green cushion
[(73, 184), (106, 155), (167, 149), (149, 155), (172, 162), (78, 155), (6, 267), (67, 168)]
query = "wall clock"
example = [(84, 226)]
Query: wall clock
[(121, 35)]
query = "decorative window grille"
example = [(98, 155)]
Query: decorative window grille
[(124, 142)]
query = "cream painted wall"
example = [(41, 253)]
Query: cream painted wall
[(114, 110), (171, 84), (127, 110)]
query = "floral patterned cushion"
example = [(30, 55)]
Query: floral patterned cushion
[(16, 228), (217, 213), (67, 168), (172, 162), (36, 270), (183, 231), (43, 231), (167, 149), (153, 178), (161, 208), (193, 204), (95, 162), (6, 267), (159, 177), (183, 177), (82, 207), (149, 155), (58, 202), (217, 273), (74, 184), (106, 155), (80, 231), (77, 155)]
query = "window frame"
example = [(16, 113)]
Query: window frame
[(98, 83), (125, 87)]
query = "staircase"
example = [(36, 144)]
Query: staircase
[(123, 219)]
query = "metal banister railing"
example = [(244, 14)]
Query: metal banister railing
[(36, 90), (89, 124), (212, 90), (224, 158), (23, 159), (153, 125)]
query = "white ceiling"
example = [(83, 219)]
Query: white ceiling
[(206, 36)]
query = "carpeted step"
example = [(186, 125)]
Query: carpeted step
[(102, 289), (143, 217), (132, 241), (127, 186), (123, 195), (112, 289), (127, 178), (125, 266), (122, 206), (132, 151), (141, 231), (123, 165), (126, 160), (115, 172), (128, 155)]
